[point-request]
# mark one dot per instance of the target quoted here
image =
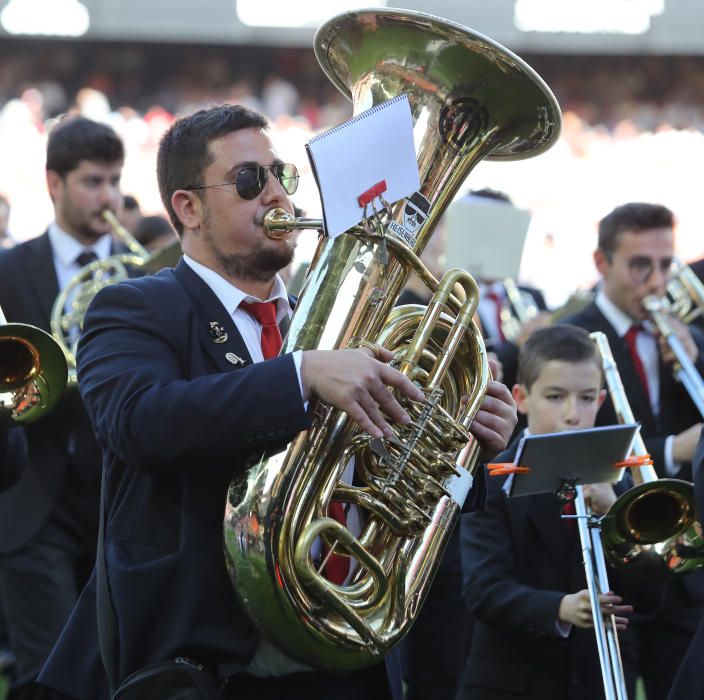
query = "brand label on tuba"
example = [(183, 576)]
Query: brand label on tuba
[(415, 212)]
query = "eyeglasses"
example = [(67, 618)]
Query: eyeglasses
[(250, 181), (641, 267)]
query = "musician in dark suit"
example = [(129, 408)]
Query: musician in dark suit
[(48, 519), (13, 453), (689, 682), (636, 246), (523, 577), (184, 386)]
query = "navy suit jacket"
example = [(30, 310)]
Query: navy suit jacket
[(13, 455), (677, 412), (689, 682), (28, 288), (518, 560), (176, 422)]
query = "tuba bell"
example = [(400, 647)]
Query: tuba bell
[(33, 371), (470, 99)]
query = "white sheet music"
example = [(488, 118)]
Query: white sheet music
[(354, 156)]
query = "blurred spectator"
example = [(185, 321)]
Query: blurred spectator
[(6, 240), (154, 232), (131, 213)]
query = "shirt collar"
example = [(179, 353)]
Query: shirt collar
[(619, 320), (231, 297), (66, 248)]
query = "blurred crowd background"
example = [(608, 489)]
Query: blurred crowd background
[(632, 131)]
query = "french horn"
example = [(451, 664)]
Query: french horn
[(72, 302)]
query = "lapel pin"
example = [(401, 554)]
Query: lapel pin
[(217, 332), (234, 359)]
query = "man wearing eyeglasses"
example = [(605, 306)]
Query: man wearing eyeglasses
[(634, 256), (182, 376)]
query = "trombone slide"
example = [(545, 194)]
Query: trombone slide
[(598, 582)]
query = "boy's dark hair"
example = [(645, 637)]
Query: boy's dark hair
[(634, 216), (75, 139), (562, 342), (183, 152)]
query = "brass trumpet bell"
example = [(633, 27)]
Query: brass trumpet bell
[(33, 371)]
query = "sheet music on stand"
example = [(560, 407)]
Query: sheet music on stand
[(579, 456), (356, 156)]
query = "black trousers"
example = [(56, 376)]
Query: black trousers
[(39, 585), (365, 684), (655, 646)]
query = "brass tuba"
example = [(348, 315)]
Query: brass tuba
[(33, 371), (470, 99), (651, 531)]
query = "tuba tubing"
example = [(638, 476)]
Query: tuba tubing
[(469, 101)]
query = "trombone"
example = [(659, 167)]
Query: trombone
[(651, 530), (598, 582), (33, 371)]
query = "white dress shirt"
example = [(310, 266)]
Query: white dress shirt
[(65, 249), (647, 347), (250, 329)]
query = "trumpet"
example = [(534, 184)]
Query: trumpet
[(33, 371), (684, 369), (685, 292), (518, 308), (651, 531)]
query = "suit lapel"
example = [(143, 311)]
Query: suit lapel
[(557, 536), (216, 329), (40, 272), (542, 511)]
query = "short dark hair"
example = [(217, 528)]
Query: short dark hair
[(149, 228), (75, 139), (488, 193), (634, 216), (130, 203), (183, 152), (562, 342)]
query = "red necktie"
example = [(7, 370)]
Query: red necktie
[(569, 509), (630, 338), (265, 313), (498, 303), (337, 566)]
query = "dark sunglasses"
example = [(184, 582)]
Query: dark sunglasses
[(411, 212), (250, 181)]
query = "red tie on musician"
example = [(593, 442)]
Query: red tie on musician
[(265, 313)]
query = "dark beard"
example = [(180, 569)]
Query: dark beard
[(258, 266)]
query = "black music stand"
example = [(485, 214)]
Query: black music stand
[(558, 461)]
